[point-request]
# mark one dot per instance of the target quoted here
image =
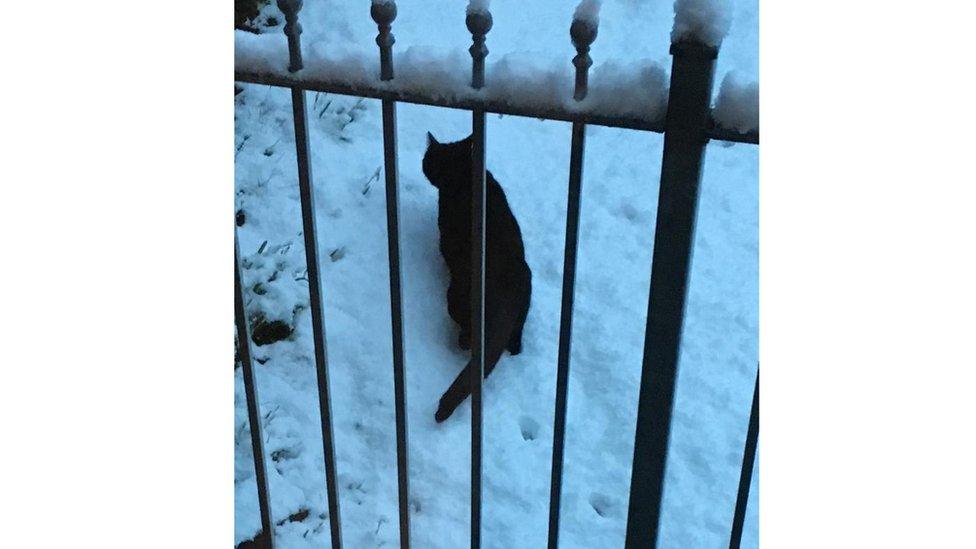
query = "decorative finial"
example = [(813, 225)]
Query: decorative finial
[(384, 12), (583, 32), (478, 21), (293, 30)]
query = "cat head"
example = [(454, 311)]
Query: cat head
[(448, 165)]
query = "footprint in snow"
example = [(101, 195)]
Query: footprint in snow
[(632, 214), (602, 504), (529, 427)]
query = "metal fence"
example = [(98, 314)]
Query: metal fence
[(687, 127)]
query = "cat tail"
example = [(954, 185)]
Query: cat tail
[(498, 332)]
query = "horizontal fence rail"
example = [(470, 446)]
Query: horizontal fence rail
[(687, 126), (489, 106)]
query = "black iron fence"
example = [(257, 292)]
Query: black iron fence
[(687, 127)]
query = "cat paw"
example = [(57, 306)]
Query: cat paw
[(464, 341), (515, 347)]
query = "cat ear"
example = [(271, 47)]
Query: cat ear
[(431, 140)]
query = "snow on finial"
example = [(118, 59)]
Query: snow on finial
[(583, 33), (293, 30), (737, 106), (479, 22), (706, 21), (384, 12), (588, 11), (478, 6)]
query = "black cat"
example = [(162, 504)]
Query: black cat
[(508, 280)]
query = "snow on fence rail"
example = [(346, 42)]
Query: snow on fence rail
[(737, 106), (636, 96), (628, 95), (514, 84)]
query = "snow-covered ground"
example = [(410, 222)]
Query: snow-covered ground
[(530, 158)]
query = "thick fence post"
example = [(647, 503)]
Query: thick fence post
[(583, 32), (745, 477), (293, 30), (383, 13), (692, 73), (478, 21), (253, 408)]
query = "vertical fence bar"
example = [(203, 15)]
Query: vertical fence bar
[(318, 322), (565, 328), (583, 33), (253, 408), (478, 21), (692, 74), (293, 30), (383, 13), (745, 477)]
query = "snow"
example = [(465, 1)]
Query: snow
[(478, 6), (637, 89), (705, 20), (530, 158), (588, 11), (737, 106)]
